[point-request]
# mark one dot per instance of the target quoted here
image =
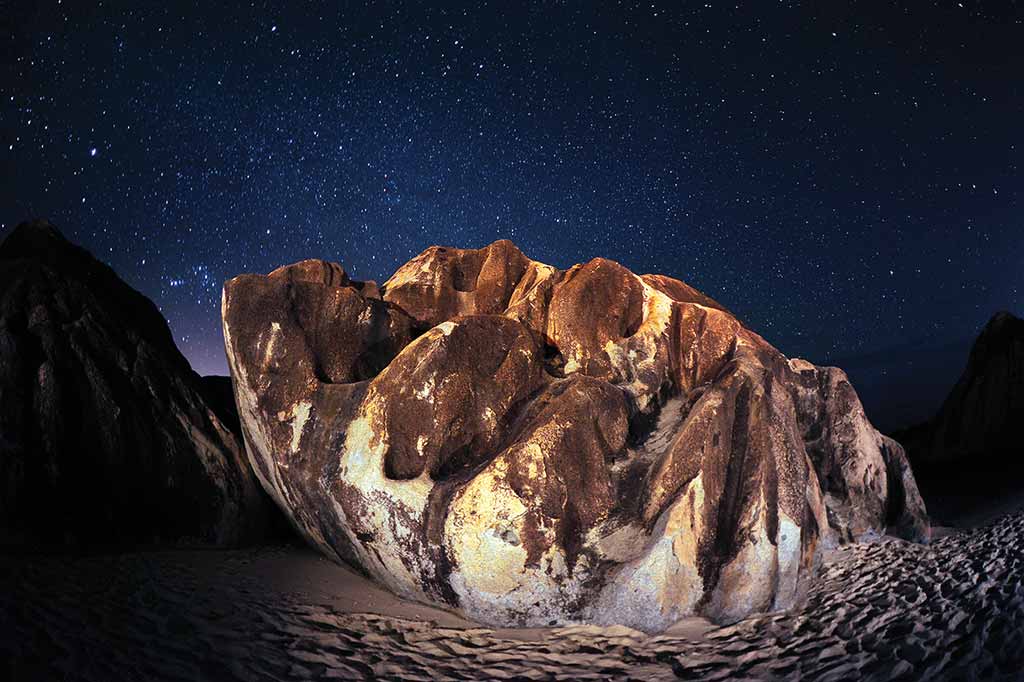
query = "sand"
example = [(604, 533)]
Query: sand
[(888, 610)]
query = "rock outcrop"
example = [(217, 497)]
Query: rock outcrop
[(106, 436), (982, 416), (531, 446)]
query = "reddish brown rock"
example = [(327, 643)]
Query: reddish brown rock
[(442, 282), (680, 291), (586, 445), (595, 308), (446, 404)]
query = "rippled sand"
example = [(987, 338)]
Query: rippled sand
[(889, 610)]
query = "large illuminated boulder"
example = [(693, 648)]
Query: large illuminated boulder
[(530, 446)]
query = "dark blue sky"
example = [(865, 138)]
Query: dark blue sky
[(845, 177)]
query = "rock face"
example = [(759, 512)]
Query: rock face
[(105, 433), (982, 416), (532, 446)]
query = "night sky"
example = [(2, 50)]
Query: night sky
[(844, 177)]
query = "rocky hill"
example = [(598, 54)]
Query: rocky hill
[(106, 433), (967, 458), (983, 414)]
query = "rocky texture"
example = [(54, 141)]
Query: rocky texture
[(951, 610), (982, 416), (105, 433), (533, 446)]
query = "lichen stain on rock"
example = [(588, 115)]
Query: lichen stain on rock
[(533, 446)]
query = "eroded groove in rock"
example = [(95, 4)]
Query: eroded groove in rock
[(556, 447)]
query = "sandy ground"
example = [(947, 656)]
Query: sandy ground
[(889, 610)]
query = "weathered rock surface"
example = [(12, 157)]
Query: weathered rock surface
[(532, 446), (106, 435)]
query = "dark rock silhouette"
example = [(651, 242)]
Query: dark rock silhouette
[(105, 434), (968, 457), (983, 413), (979, 419), (532, 446)]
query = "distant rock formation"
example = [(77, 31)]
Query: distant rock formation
[(106, 436), (982, 416), (531, 446)]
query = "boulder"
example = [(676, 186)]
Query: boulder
[(106, 433), (530, 446)]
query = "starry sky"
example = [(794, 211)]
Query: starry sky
[(844, 176)]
